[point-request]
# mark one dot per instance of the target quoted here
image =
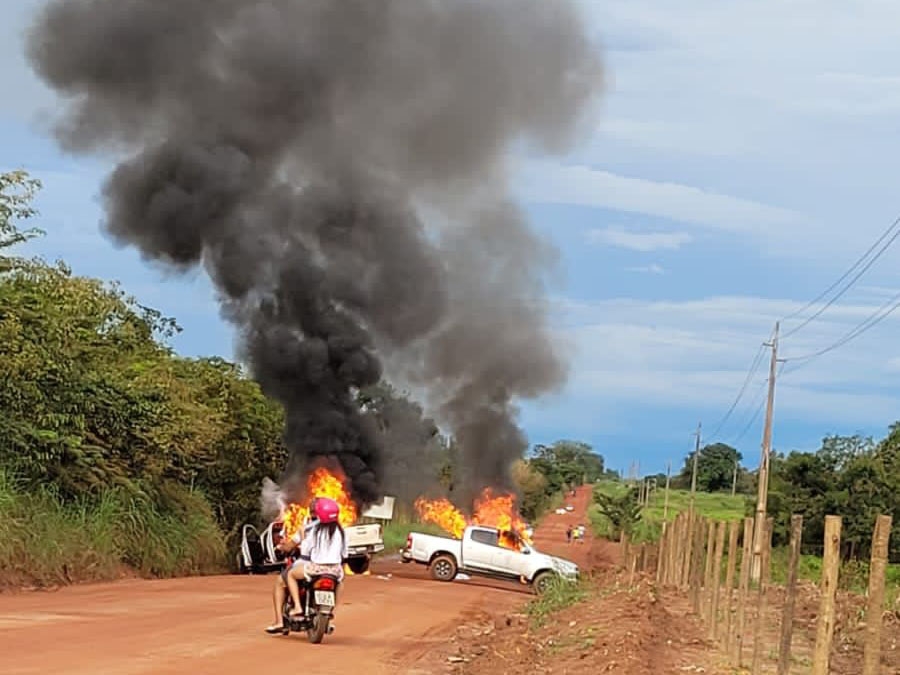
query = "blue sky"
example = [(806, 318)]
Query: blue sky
[(745, 155)]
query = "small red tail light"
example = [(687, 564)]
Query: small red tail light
[(324, 583)]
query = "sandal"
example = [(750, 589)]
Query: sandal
[(296, 614), (275, 628)]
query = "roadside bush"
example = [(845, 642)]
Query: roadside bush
[(46, 540)]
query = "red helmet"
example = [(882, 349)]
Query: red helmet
[(326, 510)]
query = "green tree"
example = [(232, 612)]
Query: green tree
[(532, 486), (715, 468), (17, 192), (567, 464), (623, 510)]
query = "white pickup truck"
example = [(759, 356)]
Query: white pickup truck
[(258, 554), (479, 553)]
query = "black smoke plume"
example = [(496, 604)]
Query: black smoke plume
[(292, 146)]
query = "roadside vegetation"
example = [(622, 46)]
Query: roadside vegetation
[(854, 477), (560, 594)]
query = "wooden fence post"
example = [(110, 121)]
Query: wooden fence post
[(671, 548), (682, 536), (761, 605), (729, 583), (688, 554), (697, 563), (741, 625), (787, 615), (707, 570), (875, 609), (662, 549), (825, 621), (676, 556), (716, 581)]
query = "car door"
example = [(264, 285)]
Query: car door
[(508, 561), (479, 549)]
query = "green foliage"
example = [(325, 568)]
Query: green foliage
[(46, 539), (97, 409), (17, 192), (560, 594), (623, 510), (852, 477), (716, 506), (551, 470), (566, 464), (715, 469)]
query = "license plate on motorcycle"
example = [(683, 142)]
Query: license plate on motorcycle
[(325, 598)]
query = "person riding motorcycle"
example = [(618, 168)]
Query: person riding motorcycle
[(322, 550)]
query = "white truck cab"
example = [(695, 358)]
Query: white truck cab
[(479, 553)]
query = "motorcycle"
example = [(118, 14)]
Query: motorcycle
[(318, 597)]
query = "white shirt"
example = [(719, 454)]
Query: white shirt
[(322, 551)]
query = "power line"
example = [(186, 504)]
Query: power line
[(757, 360), (873, 320), (845, 275)]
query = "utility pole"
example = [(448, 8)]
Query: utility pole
[(734, 479), (666, 504), (762, 493), (694, 470)]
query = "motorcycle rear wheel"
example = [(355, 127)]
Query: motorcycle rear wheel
[(316, 632)]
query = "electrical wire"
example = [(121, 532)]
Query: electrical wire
[(757, 360), (873, 320), (844, 276)]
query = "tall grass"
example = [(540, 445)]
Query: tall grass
[(46, 540), (560, 593)]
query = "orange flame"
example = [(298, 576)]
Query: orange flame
[(320, 483), (499, 512), (443, 514)]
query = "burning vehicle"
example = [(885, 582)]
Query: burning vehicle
[(258, 552), (494, 543)]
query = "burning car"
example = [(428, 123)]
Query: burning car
[(258, 551)]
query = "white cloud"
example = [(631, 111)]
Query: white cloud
[(695, 355), (581, 185), (639, 241)]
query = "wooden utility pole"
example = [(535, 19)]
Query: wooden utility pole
[(694, 470), (666, 503), (734, 479), (762, 493)]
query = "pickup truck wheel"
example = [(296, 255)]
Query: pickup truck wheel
[(443, 568), (542, 582)]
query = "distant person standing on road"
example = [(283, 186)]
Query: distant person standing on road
[(569, 534), (575, 534)]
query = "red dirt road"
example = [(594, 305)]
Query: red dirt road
[(215, 625)]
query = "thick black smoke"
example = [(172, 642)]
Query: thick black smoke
[(290, 147)]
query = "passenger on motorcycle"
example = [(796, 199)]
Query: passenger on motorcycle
[(322, 550)]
